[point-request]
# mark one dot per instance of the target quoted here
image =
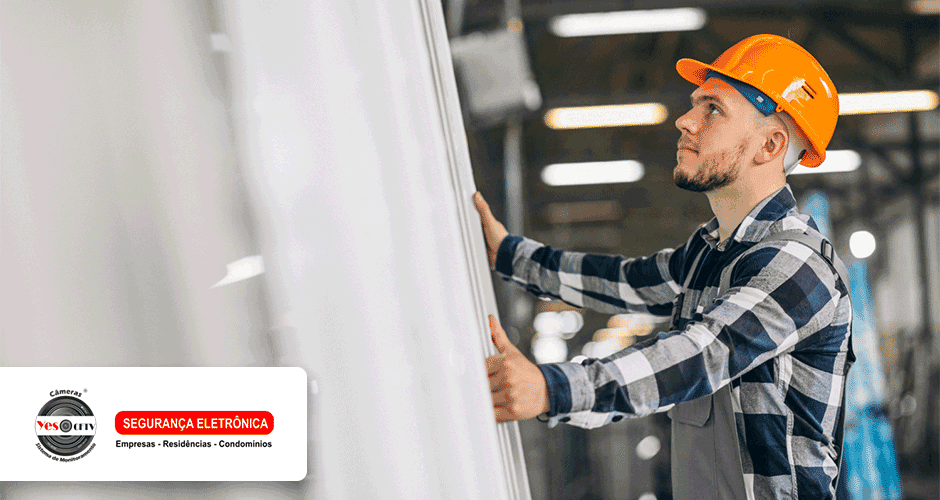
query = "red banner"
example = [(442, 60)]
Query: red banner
[(188, 423)]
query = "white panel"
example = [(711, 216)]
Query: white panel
[(348, 123)]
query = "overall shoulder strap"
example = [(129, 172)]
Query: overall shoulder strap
[(680, 298), (823, 247), (688, 277)]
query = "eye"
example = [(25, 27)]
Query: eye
[(712, 109)]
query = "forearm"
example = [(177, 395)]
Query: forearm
[(643, 379), (594, 392), (608, 284)]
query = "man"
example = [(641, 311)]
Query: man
[(753, 376)]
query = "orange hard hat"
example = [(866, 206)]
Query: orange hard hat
[(789, 75)]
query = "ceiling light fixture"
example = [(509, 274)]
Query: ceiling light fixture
[(599, 172), (620, 115), (626, 22), (925, 7), (887, 102)]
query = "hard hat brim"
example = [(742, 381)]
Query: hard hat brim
[(695, 71)]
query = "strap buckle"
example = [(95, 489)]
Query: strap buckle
[(825, 248)]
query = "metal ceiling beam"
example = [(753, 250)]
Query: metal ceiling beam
[(874, 59)]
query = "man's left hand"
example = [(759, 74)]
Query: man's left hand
[(516, 384)]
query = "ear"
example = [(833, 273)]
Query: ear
[(775, 141)]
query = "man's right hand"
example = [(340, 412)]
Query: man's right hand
[(493, 230)]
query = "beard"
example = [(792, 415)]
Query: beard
[(710, 175)]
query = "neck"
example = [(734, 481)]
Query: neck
[(731, 204)]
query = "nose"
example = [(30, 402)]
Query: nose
[(687, 122)]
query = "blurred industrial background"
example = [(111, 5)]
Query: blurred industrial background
[(881, 201), (141, 198)]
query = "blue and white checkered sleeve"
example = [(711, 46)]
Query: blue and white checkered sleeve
[(605, 283), (780, 296)]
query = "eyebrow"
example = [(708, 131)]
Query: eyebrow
[(707, 98)]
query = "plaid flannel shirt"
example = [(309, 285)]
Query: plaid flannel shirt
[(780, 335)]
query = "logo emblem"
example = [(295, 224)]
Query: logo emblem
[(65, 426)]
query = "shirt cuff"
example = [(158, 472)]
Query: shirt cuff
[(505, 254), (569, 389)]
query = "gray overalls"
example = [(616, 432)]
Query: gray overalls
[(706, 455)]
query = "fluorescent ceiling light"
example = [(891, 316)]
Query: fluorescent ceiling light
[(844, 160), (925, 7), (887, 102), (600, 172), (621, 115), (624, 22)]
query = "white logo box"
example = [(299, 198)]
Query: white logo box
[(271, 402)]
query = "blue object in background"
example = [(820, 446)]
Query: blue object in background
[(817, 206), (871, 466), (866, 378), (869, 458)]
